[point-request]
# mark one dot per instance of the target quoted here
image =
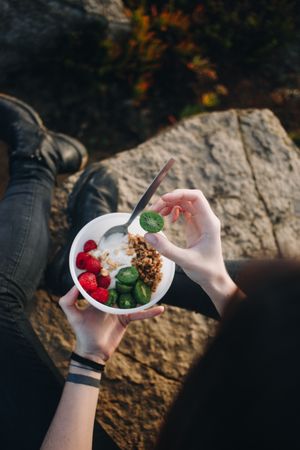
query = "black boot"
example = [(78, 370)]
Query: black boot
[(94, 194), (30, 142)]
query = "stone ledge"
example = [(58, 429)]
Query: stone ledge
[(249, 169)]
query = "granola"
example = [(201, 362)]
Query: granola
[(147, 260)]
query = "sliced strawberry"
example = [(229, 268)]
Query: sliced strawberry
[(89, 245), (81, 260), (100, 294), (104, 282), (88, 281), (93, 265)]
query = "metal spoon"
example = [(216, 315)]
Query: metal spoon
[(123, 229)]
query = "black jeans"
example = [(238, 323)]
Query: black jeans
[(30, 384)]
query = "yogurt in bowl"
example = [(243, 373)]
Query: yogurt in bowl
[(117, 254), (113, 255)]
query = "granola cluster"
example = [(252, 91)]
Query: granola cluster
[(147, 260), (105, 258)]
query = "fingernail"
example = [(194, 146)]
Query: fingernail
[(151, 238)]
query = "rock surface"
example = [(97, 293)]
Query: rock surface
[(31, 28), (249, 169)]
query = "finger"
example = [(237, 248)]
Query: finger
[(176, 213), (158, 205), (69, 299), (190, 195), (146, 314), (161, 207), (187, 216), (195, 196), (202, 209), (183, 204), (188, 206), (166, 211), (165, 208), (166, 248)]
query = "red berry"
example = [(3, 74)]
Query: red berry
[(104, 282), (93, 265), (89, 245), (88, 281), (81, 260), (100, 294)]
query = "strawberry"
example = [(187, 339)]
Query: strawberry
[(89, 245), (88, 281), (93, 265), (81, 260), (104, 282), (100, 294)]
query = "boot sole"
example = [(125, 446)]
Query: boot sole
[(34, 115)]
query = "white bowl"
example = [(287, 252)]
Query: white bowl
[(94, 230)]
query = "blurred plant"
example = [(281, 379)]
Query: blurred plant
[(160, 64), (241, 33), (178, 54)]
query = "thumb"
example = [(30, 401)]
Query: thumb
[(68, 300), (166, 248)]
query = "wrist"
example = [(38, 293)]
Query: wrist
[(78, 369), (97, 357), (220, 289)]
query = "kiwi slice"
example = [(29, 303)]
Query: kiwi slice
[(113, 297), (126, 301), (141, 292), (151, 221), (123, 288), (127, 275)]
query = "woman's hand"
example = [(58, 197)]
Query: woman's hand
[(98, 334), (202, 259)]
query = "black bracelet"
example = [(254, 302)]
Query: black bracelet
[(83, 379), (81, 366), (88, 362)]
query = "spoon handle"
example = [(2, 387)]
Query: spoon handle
[(151, 190)]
